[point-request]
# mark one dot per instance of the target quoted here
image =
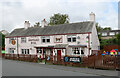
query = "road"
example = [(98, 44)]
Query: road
[(20, 68)]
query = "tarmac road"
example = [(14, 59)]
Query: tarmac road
[(20, 68)]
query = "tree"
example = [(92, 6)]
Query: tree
[(98, 27), (59, 19), (2, 40), (37, 24), (107, 28)]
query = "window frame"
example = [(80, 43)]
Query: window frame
[(46, 38), (23, 39), (78, 51), (11, 50), (25, 51), (71, 38)]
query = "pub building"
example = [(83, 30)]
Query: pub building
[(74, 39)]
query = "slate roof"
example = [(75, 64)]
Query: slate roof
[(81, 27)]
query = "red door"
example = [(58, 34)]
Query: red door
[(58, 55)]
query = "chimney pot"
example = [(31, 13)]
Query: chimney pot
[(92, 16), (26, 24), (43, 23)]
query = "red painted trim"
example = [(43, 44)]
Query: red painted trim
[(65, 52), (50, 34)]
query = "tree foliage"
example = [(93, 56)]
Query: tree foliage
[(2, 40), (37, 24), (59, 19)]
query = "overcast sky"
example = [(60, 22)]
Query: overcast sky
[(13, 13)]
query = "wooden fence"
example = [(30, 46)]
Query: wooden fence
[(93, 61), (22, 57)]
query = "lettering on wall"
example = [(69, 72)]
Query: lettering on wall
[(33, 40)]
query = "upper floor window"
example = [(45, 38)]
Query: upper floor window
[(104, 34), (45, 39), (58, 38), (23, 40), (10, 40), (71, 38), (25, 51), (112, 33)]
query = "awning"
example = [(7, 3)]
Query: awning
[(60, 45), (50, 46)]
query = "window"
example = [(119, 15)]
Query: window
[(58, 39), (112, 33), (23, 40), (45, 39), (82, 51), (10, 40), (104, 34), (76, 50), (71, 38), (39, 50), (25, 51), (11, 50)]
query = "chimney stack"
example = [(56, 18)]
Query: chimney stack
[(43, 23), (26, 24), (92, 16)]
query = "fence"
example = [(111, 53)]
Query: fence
[(93, 61), (21, 57)]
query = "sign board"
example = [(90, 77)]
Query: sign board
[(13, 42), (72, 59), (33, 40)]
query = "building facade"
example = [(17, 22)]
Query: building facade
[(74, 39), (108, 34)]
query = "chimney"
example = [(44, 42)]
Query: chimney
[(26, 24), (92, 16), (43, 23)]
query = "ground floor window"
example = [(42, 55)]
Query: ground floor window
[(39, 50), (11, 50), (82, 51), (25, 51), (78, 50)]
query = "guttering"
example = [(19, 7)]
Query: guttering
[(50, 34)]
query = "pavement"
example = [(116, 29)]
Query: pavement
[(20, 68)]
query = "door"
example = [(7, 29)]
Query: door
[(58, 55)]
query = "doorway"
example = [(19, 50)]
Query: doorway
[(58, 55)]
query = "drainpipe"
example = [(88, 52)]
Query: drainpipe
[(88, 43), (17, 47)]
